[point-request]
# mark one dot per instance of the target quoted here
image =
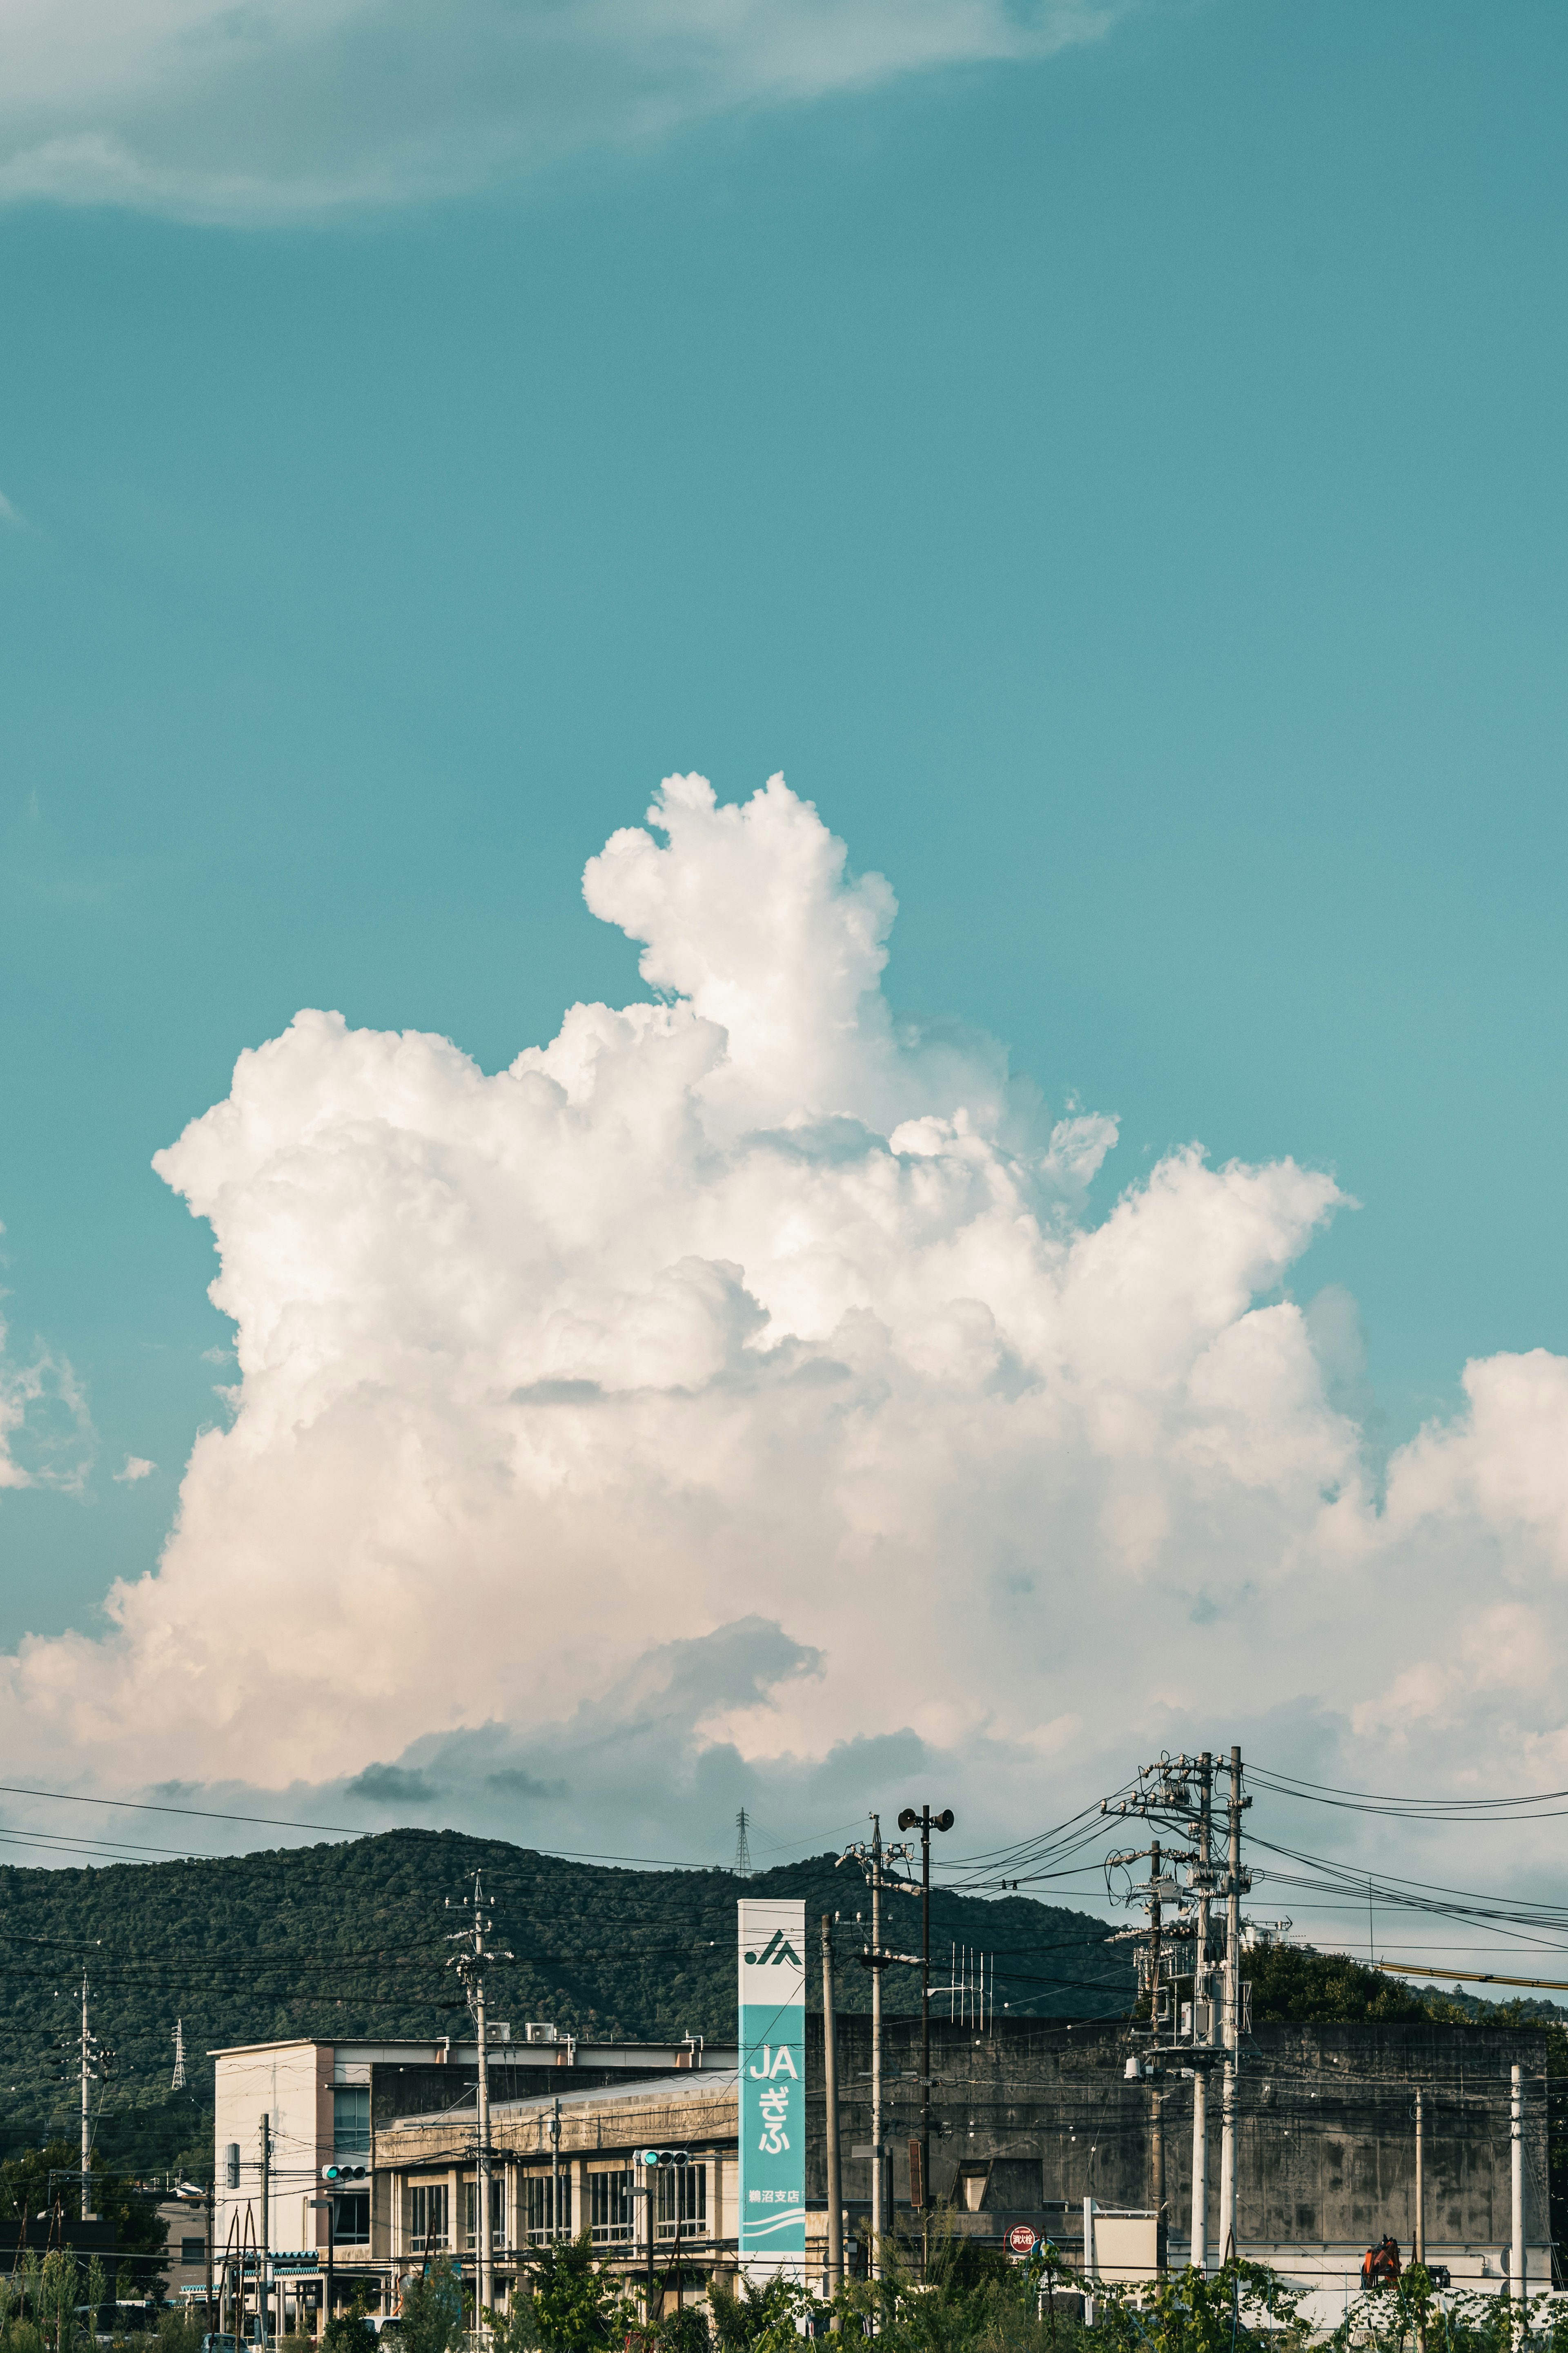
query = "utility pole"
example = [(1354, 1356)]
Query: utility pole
[(470, 1963), (263, 2301), (482, 2105), (927, 1822), (1164, 1795), (1420, 2246), (1234, 1804), (87, 2214), (1517, 2284), (1198, 2253), (555, 2171), (873, 1860), (878, 2206), (1157, 2118), (1157, 2174), (830, 2089)]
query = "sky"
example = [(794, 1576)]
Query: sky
[(1108, 460)]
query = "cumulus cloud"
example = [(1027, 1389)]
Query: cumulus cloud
[(284, 110), (136, 1467), (743, 1392)]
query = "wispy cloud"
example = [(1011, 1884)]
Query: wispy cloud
[(8, 513), (136, 1467), (45, 1429), (285, 111)]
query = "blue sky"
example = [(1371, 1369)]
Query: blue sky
[(1123, 488)]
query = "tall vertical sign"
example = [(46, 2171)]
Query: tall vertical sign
[(773, 2084)]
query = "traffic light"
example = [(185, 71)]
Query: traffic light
[(662, 2157), (344, 2172)]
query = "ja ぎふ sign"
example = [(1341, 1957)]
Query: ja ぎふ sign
[(773, 2081)]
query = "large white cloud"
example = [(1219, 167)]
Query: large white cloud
[(743, 1375), (293, 108)]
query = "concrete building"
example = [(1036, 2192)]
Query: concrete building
[(1032, 2117), (329, 2103), (185, 2220), (1029, 2116)]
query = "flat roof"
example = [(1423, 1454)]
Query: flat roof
[(684, 2084), (455, 2042)]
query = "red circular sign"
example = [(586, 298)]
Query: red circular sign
[(1022, 2239)]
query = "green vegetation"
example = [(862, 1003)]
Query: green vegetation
[(1292, 1983), (955, 2297), (349, 1939), (33, 2181)]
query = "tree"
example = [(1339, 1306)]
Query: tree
[(432, 2310), (349, 2332), (577, 2302)]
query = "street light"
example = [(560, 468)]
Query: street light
[(925, 1821)]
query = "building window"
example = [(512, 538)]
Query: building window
[(497, 2212), (351, 2218), (681, 2196), (609, 2207), (427, 2218), (350, 2120), (539, 2207), (192, 2250)]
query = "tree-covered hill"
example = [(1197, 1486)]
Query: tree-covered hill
[(351, 1939)]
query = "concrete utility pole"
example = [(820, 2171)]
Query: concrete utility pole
[(87, 2214), (482, 2107), (927, 1821), (555, 2171), (263, 2301), (1419, 2251), (1517, 2284), (872, 1860), (470, 1963), (1228, 2249), (1156, 2120), (830, 2089), (879, 2207), (1198, 2253), (1157, 2174), (1090, 2261)]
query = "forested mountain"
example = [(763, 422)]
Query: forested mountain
[(350, 1939)]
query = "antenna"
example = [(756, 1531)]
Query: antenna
[(178, 2084), (743, 1847)]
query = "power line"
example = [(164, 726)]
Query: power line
[(199, 1813)]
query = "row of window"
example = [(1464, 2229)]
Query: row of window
[(681, 2198)]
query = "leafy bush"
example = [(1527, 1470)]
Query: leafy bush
[(685, 2331)]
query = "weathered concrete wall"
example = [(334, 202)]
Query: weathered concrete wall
[(1326, 2127)]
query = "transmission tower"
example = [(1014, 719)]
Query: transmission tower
[(743, 1847), (178, 2085)]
